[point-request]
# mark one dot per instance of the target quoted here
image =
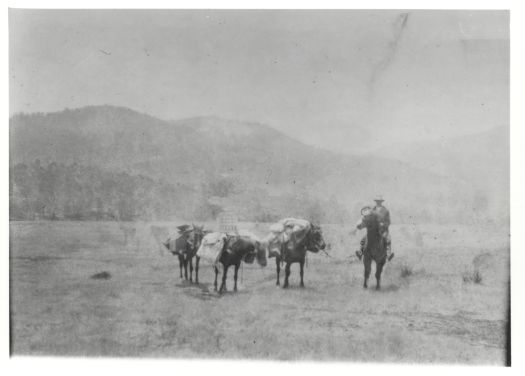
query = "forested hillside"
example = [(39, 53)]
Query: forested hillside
[(105, 162)]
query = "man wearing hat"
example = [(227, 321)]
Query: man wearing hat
[(383, 217)]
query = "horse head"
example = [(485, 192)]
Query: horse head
[(314, 239), (368, 218)]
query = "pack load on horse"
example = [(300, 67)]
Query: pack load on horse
[(184, 245), (283, 231), (383, 217), (211, 247), (288, 242)]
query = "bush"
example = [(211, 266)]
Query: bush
[(406, 271), (473, 277)]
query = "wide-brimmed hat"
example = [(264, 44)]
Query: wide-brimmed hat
[(183, 228), (379, 198)]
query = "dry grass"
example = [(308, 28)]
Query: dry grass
[(144, 309)]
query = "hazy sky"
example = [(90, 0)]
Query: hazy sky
[(343, 80)]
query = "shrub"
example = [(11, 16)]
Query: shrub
[(406, 271), (473, 277)]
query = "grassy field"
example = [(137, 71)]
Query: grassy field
[(443, 298)]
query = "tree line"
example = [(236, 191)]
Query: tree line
[(56, 191)]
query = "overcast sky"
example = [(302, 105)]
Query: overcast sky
[(343, 80)]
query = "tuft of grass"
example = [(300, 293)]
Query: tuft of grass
[(476, 278), (473, 277), (101, 275), (406, 271)]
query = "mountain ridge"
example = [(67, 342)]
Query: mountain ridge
[(251, 156)]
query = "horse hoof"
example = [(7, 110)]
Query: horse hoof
[(285, 286), (301, 285), (365, 286)]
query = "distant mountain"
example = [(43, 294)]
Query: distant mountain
[(249, 157), (480, 160)]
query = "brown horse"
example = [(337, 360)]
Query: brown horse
[(293, 250), (374, 248), (237, 249), (185, 246)]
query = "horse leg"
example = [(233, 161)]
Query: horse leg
[(379, 270), (185, 267), (197, 259), (286, 274), (223, 283), (235, 276), (181, 263), (191, 268), (216, 274), (301, 264), (278, 264), (367, 261)]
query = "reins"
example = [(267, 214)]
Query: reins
[(326, 253)]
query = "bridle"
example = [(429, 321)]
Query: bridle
[(323, 250)]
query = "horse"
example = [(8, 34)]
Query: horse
[(185, 247), (374, 248), (293, 249), (237, 249)]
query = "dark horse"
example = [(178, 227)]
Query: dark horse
[(374, 248), (235, 250), (185, 246), (294, 250)]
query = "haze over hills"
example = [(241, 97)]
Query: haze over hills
[(251, 166), (482, 158)]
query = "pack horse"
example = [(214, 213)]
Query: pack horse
[(289, 241), (185, 246), (230, 250)]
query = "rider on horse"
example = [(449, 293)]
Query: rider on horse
[(383, 217)]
